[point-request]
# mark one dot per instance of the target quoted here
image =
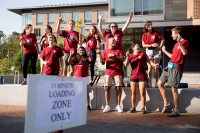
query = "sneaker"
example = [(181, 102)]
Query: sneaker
[(174, 114), (89, 108), (106, 109), (143, 111), (132, 110), (166, 109), (24, 82), (119, 109)]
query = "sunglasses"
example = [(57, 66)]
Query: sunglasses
[(113, 26)]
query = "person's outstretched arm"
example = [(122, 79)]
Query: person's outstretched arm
[(127, 22)]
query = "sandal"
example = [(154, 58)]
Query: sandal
[(166, 109), (174, 114)]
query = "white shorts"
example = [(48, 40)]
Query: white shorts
[(153, 53)]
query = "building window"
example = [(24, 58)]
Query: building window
[(40, 18), (100, 13), (121, 8), (140, 7), (88, 17), (152, 7), (37, 33), (26, 18), (64, 16), (75, 16), (51, 18)]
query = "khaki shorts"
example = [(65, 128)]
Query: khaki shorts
[(109, 80), (172, 77), (153, 53)]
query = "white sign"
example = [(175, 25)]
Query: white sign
[(55, 103)]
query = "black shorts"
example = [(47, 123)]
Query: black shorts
[(138, 80)]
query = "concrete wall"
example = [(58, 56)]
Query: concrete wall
[(189, 98)]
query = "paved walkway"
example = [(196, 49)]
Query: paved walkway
[(12, 121)]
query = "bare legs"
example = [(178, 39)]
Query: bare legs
[(142, 89)]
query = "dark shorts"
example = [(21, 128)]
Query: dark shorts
[(138, 80), (171, 76)]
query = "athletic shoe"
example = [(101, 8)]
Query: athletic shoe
[(119, 109), (132, 110), (106, 109)]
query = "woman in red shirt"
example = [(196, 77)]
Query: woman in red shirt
[(44, 41), (150, 41), (92, 41), (137, 60), (28, 42), (81, 63)]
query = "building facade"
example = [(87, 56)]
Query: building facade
[(165, 14)]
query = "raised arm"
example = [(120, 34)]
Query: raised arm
[(58, 26), (182, 48), (101, 31), (127, 22)]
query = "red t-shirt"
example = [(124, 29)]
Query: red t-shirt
[(52, 55), (177, 56), (117, 36), (44, 43), (113, 67), (71, 39), (91, 43), (151, 38), (137, 63), (81, 65), (28, 42)]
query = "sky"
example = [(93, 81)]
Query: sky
[(11, 22)]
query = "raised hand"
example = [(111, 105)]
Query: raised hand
[(163, 48), (100, 17), (131, 14), (127, 53), (60, 20)]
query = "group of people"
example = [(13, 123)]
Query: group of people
[(72, 60)]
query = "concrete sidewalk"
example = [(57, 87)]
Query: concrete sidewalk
[(12, 121)]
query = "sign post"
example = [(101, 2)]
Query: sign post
[(55, 103)]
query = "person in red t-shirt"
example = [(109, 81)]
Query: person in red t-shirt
[(51, 57), (137, 60), (113, 58), (92, 41), (174, 71), (150, 41), (71, 40), (28, 42), (81, 63), (43, 41), (117, 33)]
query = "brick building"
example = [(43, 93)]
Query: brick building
[(165, 14)]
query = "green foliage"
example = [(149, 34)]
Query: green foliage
[(78, 26), (10, 54)]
